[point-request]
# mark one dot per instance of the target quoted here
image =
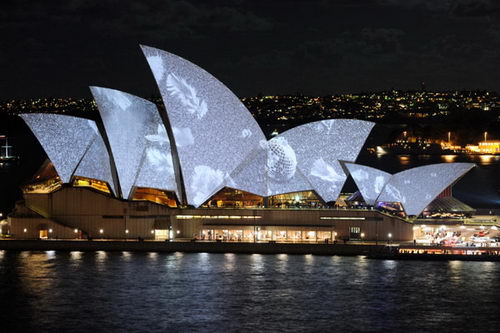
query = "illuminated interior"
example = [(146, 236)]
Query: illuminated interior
[(393, 208), (166, 198), (303, 199), (43, 187), (228, 197), (266, 234), (90, 182), (45, 180)]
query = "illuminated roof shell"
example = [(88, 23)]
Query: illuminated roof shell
[(213, 131), (320, 145), (138, 140), (417, 187), (74, 145), (370, 181), (304, 158), (263, 175)]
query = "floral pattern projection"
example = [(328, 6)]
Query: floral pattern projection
[(304, 158), (319, 146), (73, 144), (370, 181), (417, 187), (138, 140), (213, 130), (271, 170)]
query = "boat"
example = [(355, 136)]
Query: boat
[(437, 253)]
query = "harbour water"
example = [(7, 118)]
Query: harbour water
[(152, 292)]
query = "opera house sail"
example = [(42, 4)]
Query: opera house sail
[(213, 131), (206, 140), (74, 145), (138, 140), (414, 188), (370, 181)]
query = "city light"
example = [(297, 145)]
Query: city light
[(50, 230), (101, 231), (126, 231), (390, 235), (76, 230)]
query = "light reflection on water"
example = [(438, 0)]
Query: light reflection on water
[(449, 158), (404, 160), (140, 292)]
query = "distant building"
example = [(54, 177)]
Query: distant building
[(489, 147)]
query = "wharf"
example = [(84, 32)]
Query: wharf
[(182, 246)]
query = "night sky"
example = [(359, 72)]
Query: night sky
[(58, 48)]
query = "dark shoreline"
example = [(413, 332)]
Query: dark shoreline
[(211, 247), (371, 251)]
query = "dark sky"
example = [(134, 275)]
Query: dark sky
[(60, 47)]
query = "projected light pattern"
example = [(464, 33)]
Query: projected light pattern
[(370, 181), (71, 143), (213, 130), (219, 144), (320, 145), (138, 140), (95, 163), (417, 187), (263, 175), (65, 139)]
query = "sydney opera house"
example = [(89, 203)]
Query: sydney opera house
[(202, 168)]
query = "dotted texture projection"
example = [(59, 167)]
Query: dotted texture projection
[(138, 140), (370, 181), (213, 130), (304, 158), (320, 145), (417, 187), (95, 163), (71, 143), (263, 175)]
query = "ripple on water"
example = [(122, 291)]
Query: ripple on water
[(137, 292)]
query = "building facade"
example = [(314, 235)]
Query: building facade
[(141, 172)]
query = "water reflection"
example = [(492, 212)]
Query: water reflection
[(390, 264), (126, 255), (449, 158), (404, 160), (256, 263), (100, 258), (229, 261), (233, 292), (486, 159)]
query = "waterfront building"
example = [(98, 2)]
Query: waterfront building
[(203, 169)]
